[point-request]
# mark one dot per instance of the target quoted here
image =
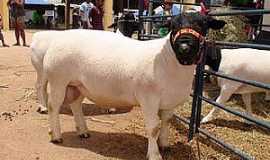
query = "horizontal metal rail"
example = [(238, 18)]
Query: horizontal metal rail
[(184, 3), (155, 16), (130, 21), (261, 123), (227, 146), (150, 35), (240, 12), (155, 20), (243, 45), (224, 13), (260, 25), (198, 4), (249, 82), (230, 147)]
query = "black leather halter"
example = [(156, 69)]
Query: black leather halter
[(197, 35)]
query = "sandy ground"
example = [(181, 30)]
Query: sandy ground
[(24, 132)]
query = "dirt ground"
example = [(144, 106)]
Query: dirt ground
[(24, 132)]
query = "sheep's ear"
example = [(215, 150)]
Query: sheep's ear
[(175, 23), (167, 24), (112, 25), (215, 24)]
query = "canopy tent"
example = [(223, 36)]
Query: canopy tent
[(43, 2)]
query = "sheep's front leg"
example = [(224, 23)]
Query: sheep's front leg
[(226, 91), (152, 125), (165, 115)]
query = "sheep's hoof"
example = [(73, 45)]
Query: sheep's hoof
[(42, 110), (111, 110), (157, 156), (57, 141), (206, 119), (84, 135)]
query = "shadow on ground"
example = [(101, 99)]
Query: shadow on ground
[(124, 146), (93, 110)]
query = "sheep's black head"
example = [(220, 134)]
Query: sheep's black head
[(127, 24), (188, 35)]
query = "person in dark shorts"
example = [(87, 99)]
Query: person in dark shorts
[(96, 15), (17, 14), (1, 34)]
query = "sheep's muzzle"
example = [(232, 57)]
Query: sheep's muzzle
[(188, 46)]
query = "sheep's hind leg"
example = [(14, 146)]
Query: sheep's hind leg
[(80, 123), (247, 101), (56, 99), (225, 94), (267, 96)]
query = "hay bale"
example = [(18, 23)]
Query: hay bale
[(233, 31)]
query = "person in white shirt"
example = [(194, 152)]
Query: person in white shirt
[(85, 8)]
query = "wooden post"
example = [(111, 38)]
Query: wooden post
[(5, 14), (67, 14), (108, 13)]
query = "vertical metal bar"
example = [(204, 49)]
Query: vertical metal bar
[(192, 124), (67, 14), (141, 8), (199, 93), (149, 24), (128, 4)]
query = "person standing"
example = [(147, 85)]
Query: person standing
[(96, 15), (1, 34), (85, 9), (17, 14)]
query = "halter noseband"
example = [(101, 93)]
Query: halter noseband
[(195, 34)]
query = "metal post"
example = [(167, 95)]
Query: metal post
[(54, 16), (67, 14), (141, 8), (149, 24), (128, 4), (192, 124), (199, 93)]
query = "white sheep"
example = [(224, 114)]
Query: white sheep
[(39, 46), (116, 71), (244, 63)]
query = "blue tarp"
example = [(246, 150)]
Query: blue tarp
[(37, 2)]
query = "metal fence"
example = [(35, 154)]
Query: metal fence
[(194, 122)]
